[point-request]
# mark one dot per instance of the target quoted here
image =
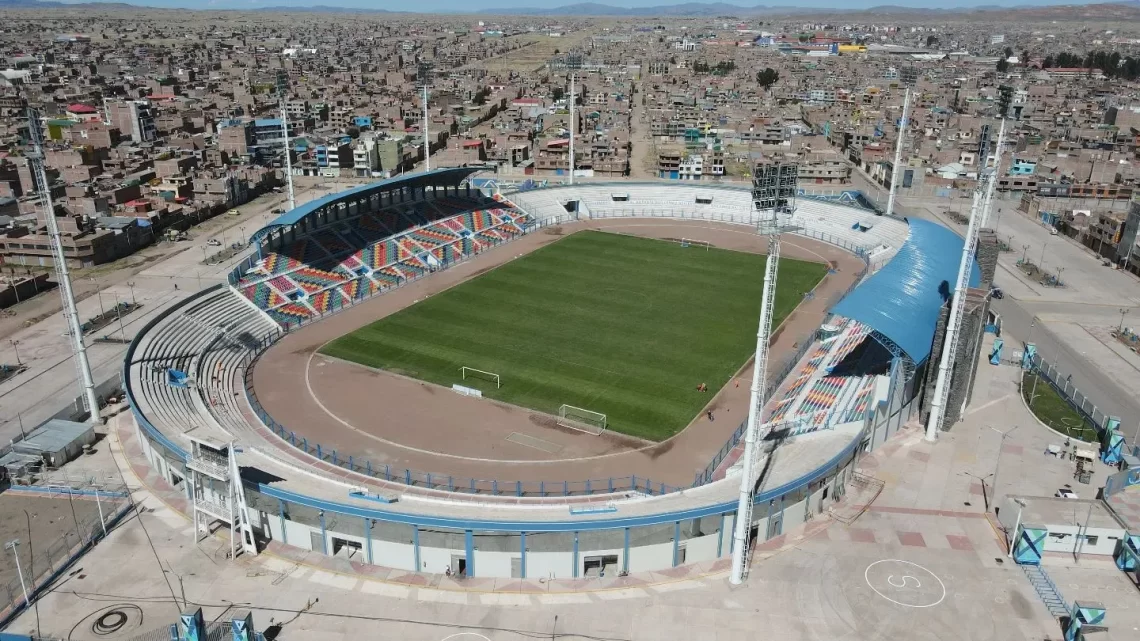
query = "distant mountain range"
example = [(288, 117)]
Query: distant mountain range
[(685, 10), (709, 9)]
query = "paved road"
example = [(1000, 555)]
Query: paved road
[(1089, 377)]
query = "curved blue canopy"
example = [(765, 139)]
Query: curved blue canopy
[(902, 301), (447, 176)]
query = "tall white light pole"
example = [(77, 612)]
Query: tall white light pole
[(13, 545), (282, 90), (898, 154), (427, 146), (743, 525), (571, 129), (288, 157), (988, 204), (70, 313), (954, 323)]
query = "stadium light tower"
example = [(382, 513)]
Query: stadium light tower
[(993, 176), (70, 313), (423, 76), (909, 77), (571, 128), (282, 90), (743, 525), (954, 323)]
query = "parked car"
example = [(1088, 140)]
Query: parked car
[(279, 211), (1066, 493), (214, 242)]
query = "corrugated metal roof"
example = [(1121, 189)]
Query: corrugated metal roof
[(51, 436), (902, 300), (449, 176)]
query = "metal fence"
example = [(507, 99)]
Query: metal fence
[(41, 560), (1073, 396)]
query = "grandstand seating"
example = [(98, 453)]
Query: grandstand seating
[(820, 397), (183, 341), (337, 265), (846, 224)]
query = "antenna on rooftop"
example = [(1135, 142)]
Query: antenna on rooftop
[(70, 313), (282, 91)]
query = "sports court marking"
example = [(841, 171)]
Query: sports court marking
[(467, 636), (913, 585), (527, 440)]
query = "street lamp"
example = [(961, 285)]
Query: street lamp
[(14, 343), (1123, 312), (11, 545), (1024, 252), (131, 284), (1042, 262), (1012, 538), (1001, 444)]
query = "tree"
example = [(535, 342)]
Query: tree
[(1002, 65), (767, 78), (931, 40), (1025, 58)]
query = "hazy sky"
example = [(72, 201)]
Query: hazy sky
[(428, 6)]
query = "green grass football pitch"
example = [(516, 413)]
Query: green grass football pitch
[(621, 325)]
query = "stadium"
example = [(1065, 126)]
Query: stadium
[(438, 373)]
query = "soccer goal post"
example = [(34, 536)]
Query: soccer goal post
[(483, 374), (689, 242), (582, 419)]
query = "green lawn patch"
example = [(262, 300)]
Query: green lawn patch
[(621, 325), (1053, 410)]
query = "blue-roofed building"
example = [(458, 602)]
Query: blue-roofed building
[(902, 301)]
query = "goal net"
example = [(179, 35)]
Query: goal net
[(471, 372), (689, 242), (582, 419)]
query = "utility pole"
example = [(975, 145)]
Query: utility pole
[(997, 461), (70, 313)]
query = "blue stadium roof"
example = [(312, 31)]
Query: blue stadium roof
[(902, 301), (448, 176)]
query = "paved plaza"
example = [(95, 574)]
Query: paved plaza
[(923, 561)]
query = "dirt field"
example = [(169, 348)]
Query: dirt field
[(51, 520), (403, 423)]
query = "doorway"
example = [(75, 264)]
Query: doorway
[(599, 566), (458, 565), (346, 549)]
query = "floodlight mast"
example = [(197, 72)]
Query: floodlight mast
[(898, 154), (989, 201), (572, 128), (954, 323), (427, 147), (743, 525), (281, 86), (70, 312)]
